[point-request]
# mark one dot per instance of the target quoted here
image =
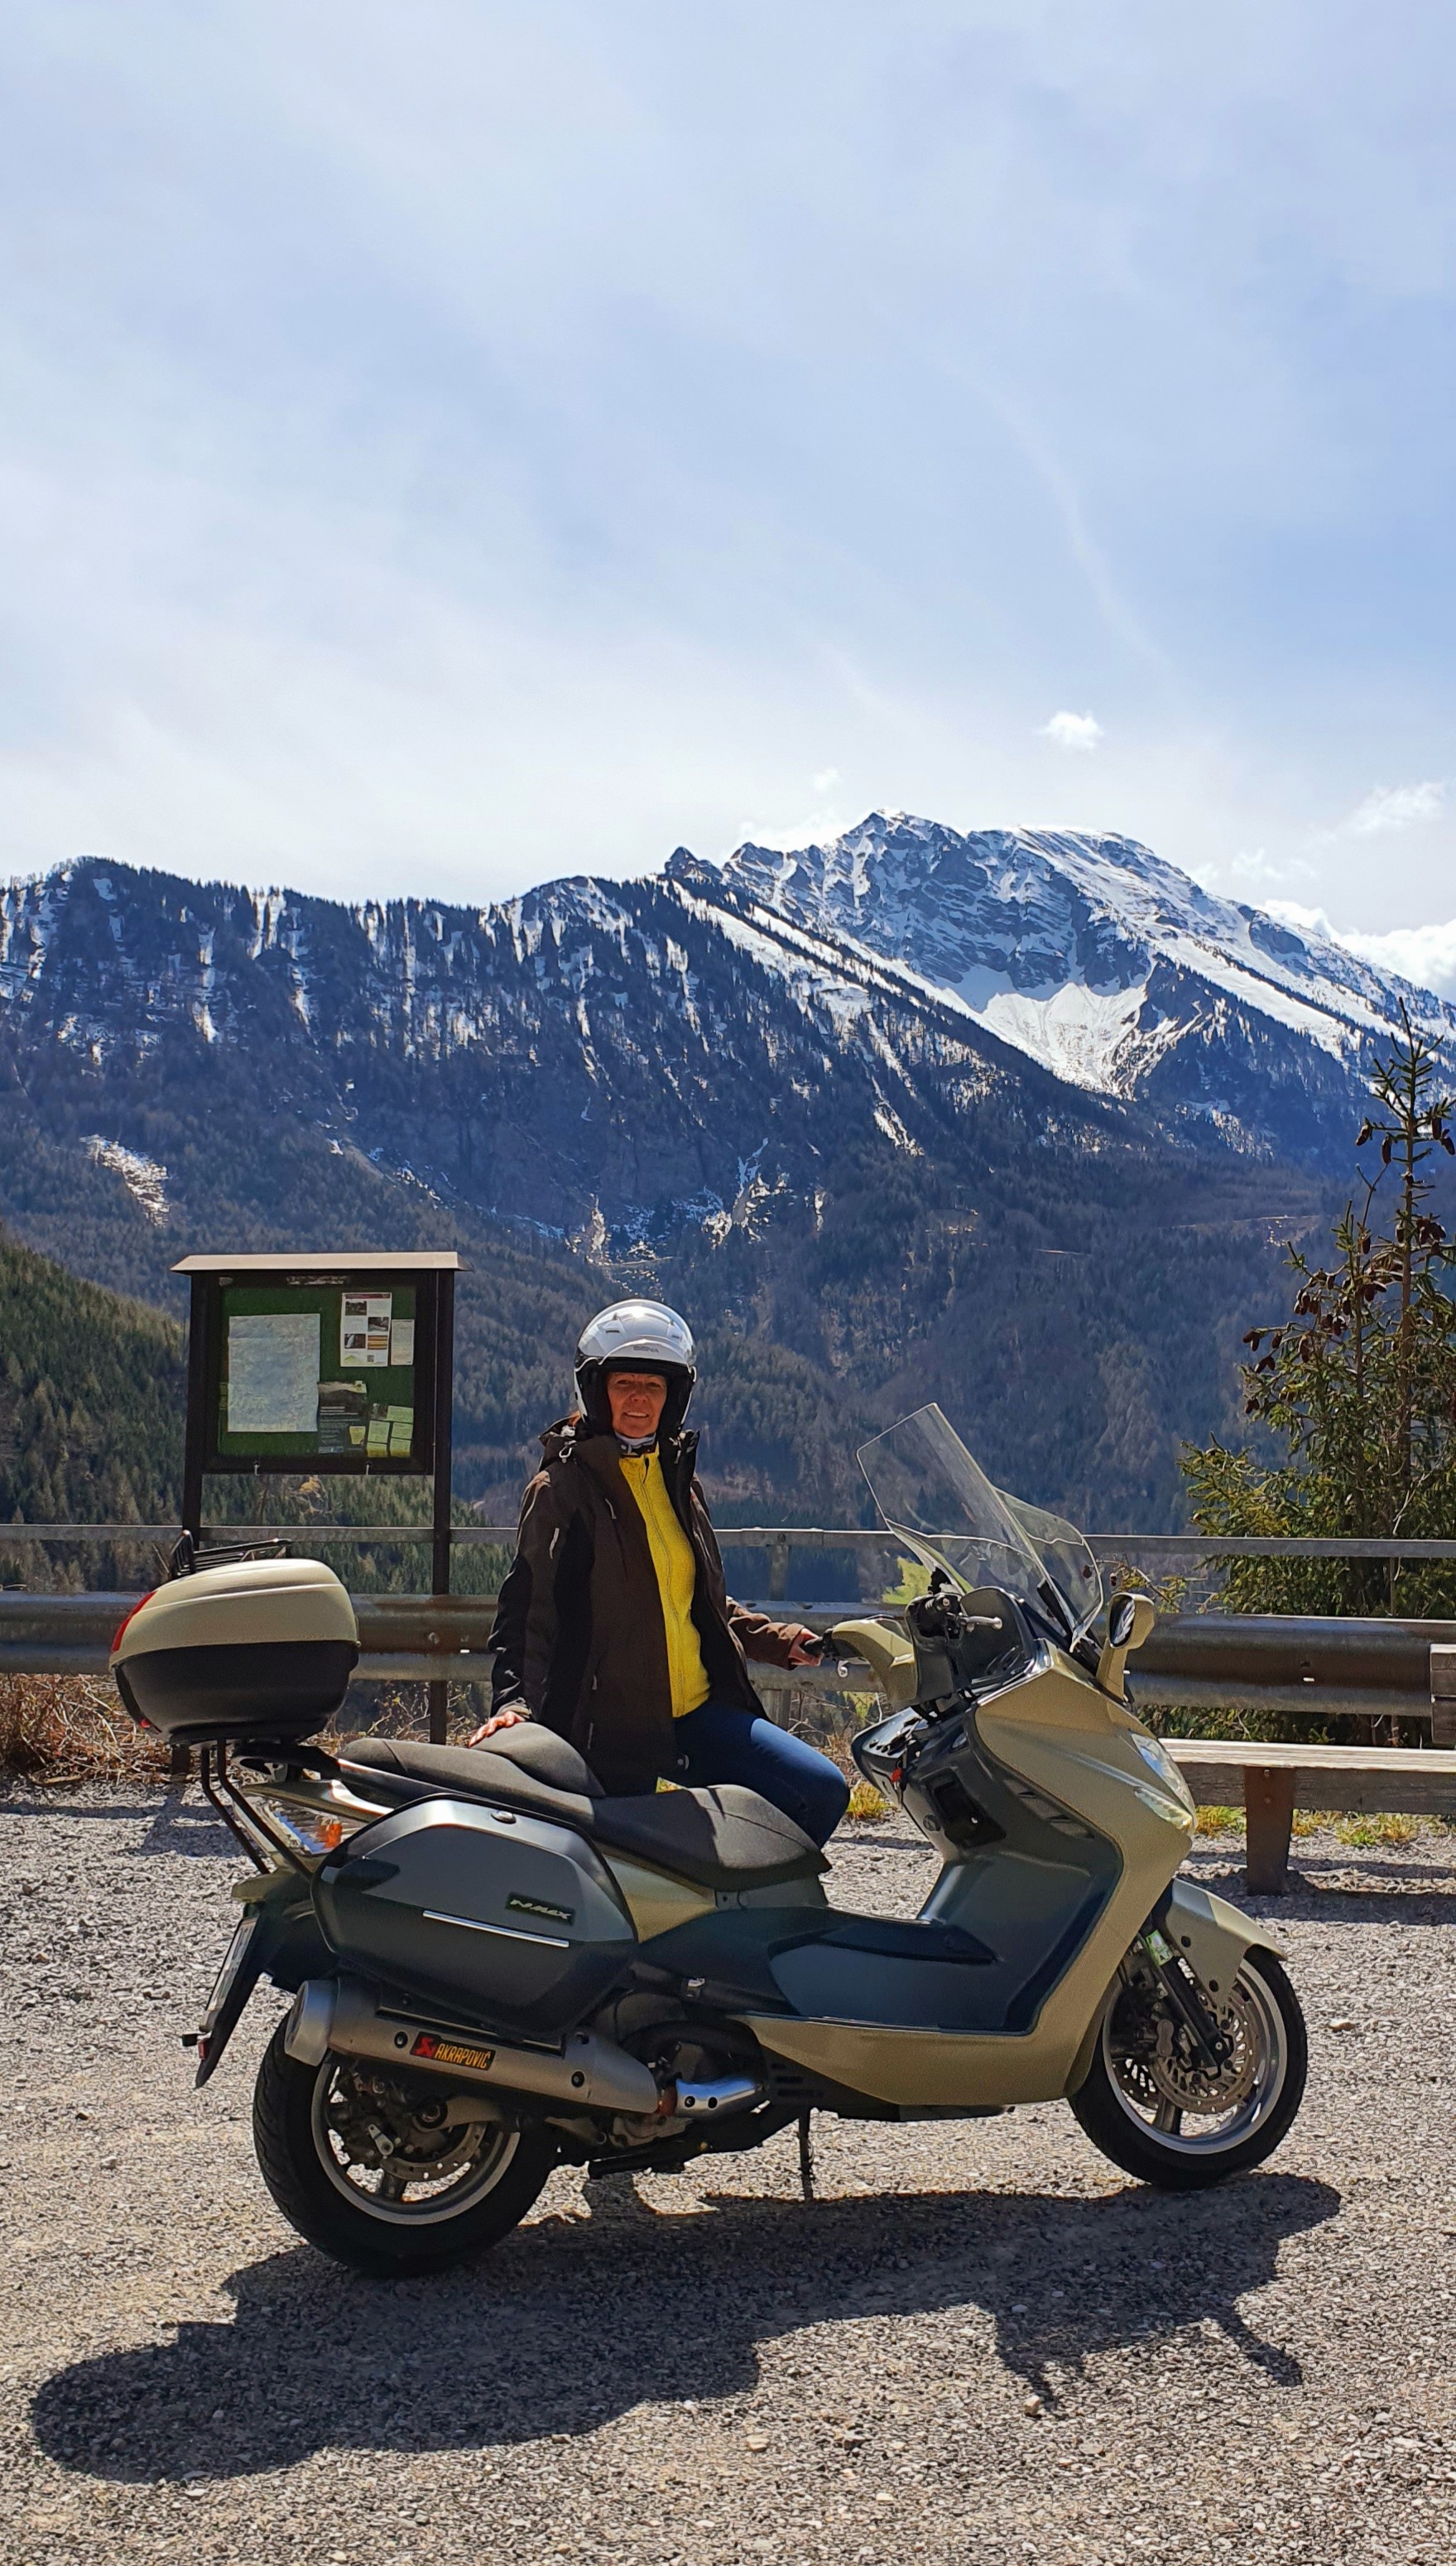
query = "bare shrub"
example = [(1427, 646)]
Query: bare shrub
[(56, 1731)]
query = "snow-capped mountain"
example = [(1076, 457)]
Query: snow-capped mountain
[(1110, 967), (776, 1089), (607, 1061)]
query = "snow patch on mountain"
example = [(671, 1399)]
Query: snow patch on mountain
[(1080, 1034), (145, 1178)]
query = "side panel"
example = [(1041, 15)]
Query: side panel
[(512, 1917), (1070, 1869), (654, 1901)]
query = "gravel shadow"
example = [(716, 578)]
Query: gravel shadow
[(576, 2320), (174, 1825)]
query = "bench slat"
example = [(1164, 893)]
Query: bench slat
[(1371, 1780)]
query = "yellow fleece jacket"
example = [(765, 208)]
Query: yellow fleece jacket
[(672, 1558)]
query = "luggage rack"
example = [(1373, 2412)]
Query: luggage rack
[(247, 1822), (191, 1552)]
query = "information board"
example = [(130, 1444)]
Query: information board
[(328, 1370)]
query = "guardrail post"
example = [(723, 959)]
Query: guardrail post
[(442, 1483), (779, 1568)]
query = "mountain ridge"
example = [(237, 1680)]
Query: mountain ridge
[(1062, 918), (865, 1195)]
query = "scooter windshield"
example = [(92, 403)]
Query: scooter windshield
[(940, 1500)]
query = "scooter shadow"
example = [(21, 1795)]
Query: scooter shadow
[(575, 2321)]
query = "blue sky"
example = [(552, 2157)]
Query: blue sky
[(446, 446)]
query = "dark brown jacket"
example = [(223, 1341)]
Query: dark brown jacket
[(578, 1635)]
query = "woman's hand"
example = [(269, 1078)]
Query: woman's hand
[(807, 1650), (502, 1719)]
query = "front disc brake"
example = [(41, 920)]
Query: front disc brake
[(1156, 2061)]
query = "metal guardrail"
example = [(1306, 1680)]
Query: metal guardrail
[(1205, 1661), (1197, 1661), (1156, 1548)]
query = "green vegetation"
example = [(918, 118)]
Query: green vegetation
[(91, 1407), (1359, 1384)]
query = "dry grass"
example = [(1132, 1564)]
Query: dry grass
[(1214, 1821), (1361, 1832), (57, 1731)]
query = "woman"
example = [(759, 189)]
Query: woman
[(614, 1627)]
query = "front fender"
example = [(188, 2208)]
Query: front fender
[(1211, 1934)]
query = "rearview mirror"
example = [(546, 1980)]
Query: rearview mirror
[(1129, 1620)]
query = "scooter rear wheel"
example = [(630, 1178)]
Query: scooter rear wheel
[(1144, 2106), (434, 2193)]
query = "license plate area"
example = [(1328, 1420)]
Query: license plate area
[(226, 1978)]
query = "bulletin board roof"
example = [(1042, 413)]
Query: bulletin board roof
[(326, 1262)]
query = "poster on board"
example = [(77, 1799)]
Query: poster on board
[(273, 1372), (364, 1331)]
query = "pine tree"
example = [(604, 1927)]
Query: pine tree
[(1358, 1383)]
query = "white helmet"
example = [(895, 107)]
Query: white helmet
[(628, 1334)]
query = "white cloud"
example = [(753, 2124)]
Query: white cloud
[(1425, 955), (1308, 921), (827, 778), (1395, 806), (1073, 730), (1254, 864)]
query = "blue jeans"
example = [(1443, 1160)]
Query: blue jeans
[(719, 1744)]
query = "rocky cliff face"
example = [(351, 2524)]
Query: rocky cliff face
[(1109, 967), (911, 1116), (609, 1062)]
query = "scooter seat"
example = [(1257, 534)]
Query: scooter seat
[(721, 1837)]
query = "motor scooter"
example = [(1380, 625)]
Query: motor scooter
[(498, 1967)]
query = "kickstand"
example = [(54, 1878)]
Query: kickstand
[(806, 2156)]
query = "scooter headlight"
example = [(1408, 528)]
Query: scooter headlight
[(1156, 1757)]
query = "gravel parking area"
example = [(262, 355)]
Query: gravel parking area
[(979, 2341)]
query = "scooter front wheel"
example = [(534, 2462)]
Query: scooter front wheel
[(377, 2172), (1151, 2106)]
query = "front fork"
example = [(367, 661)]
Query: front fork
[(1188, 1999), (1208, 1938)]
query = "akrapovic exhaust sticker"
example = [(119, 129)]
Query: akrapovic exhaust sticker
[(450, 2053)]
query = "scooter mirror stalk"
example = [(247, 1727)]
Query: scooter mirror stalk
[(1129, 1620)]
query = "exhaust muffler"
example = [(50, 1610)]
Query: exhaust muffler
[(693, 2101), (346, 2016)]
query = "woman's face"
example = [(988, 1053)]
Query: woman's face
[(637, 1401)]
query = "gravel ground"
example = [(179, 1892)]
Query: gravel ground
[(979, 2341)]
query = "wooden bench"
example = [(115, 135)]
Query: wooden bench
[(1273, 1781)]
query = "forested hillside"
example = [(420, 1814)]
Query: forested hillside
[(90, 1399)]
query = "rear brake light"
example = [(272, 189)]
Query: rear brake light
[(128, 1619)]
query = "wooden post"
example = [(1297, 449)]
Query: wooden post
[(442, 1482), (1268, 1811), (196, 1404)]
